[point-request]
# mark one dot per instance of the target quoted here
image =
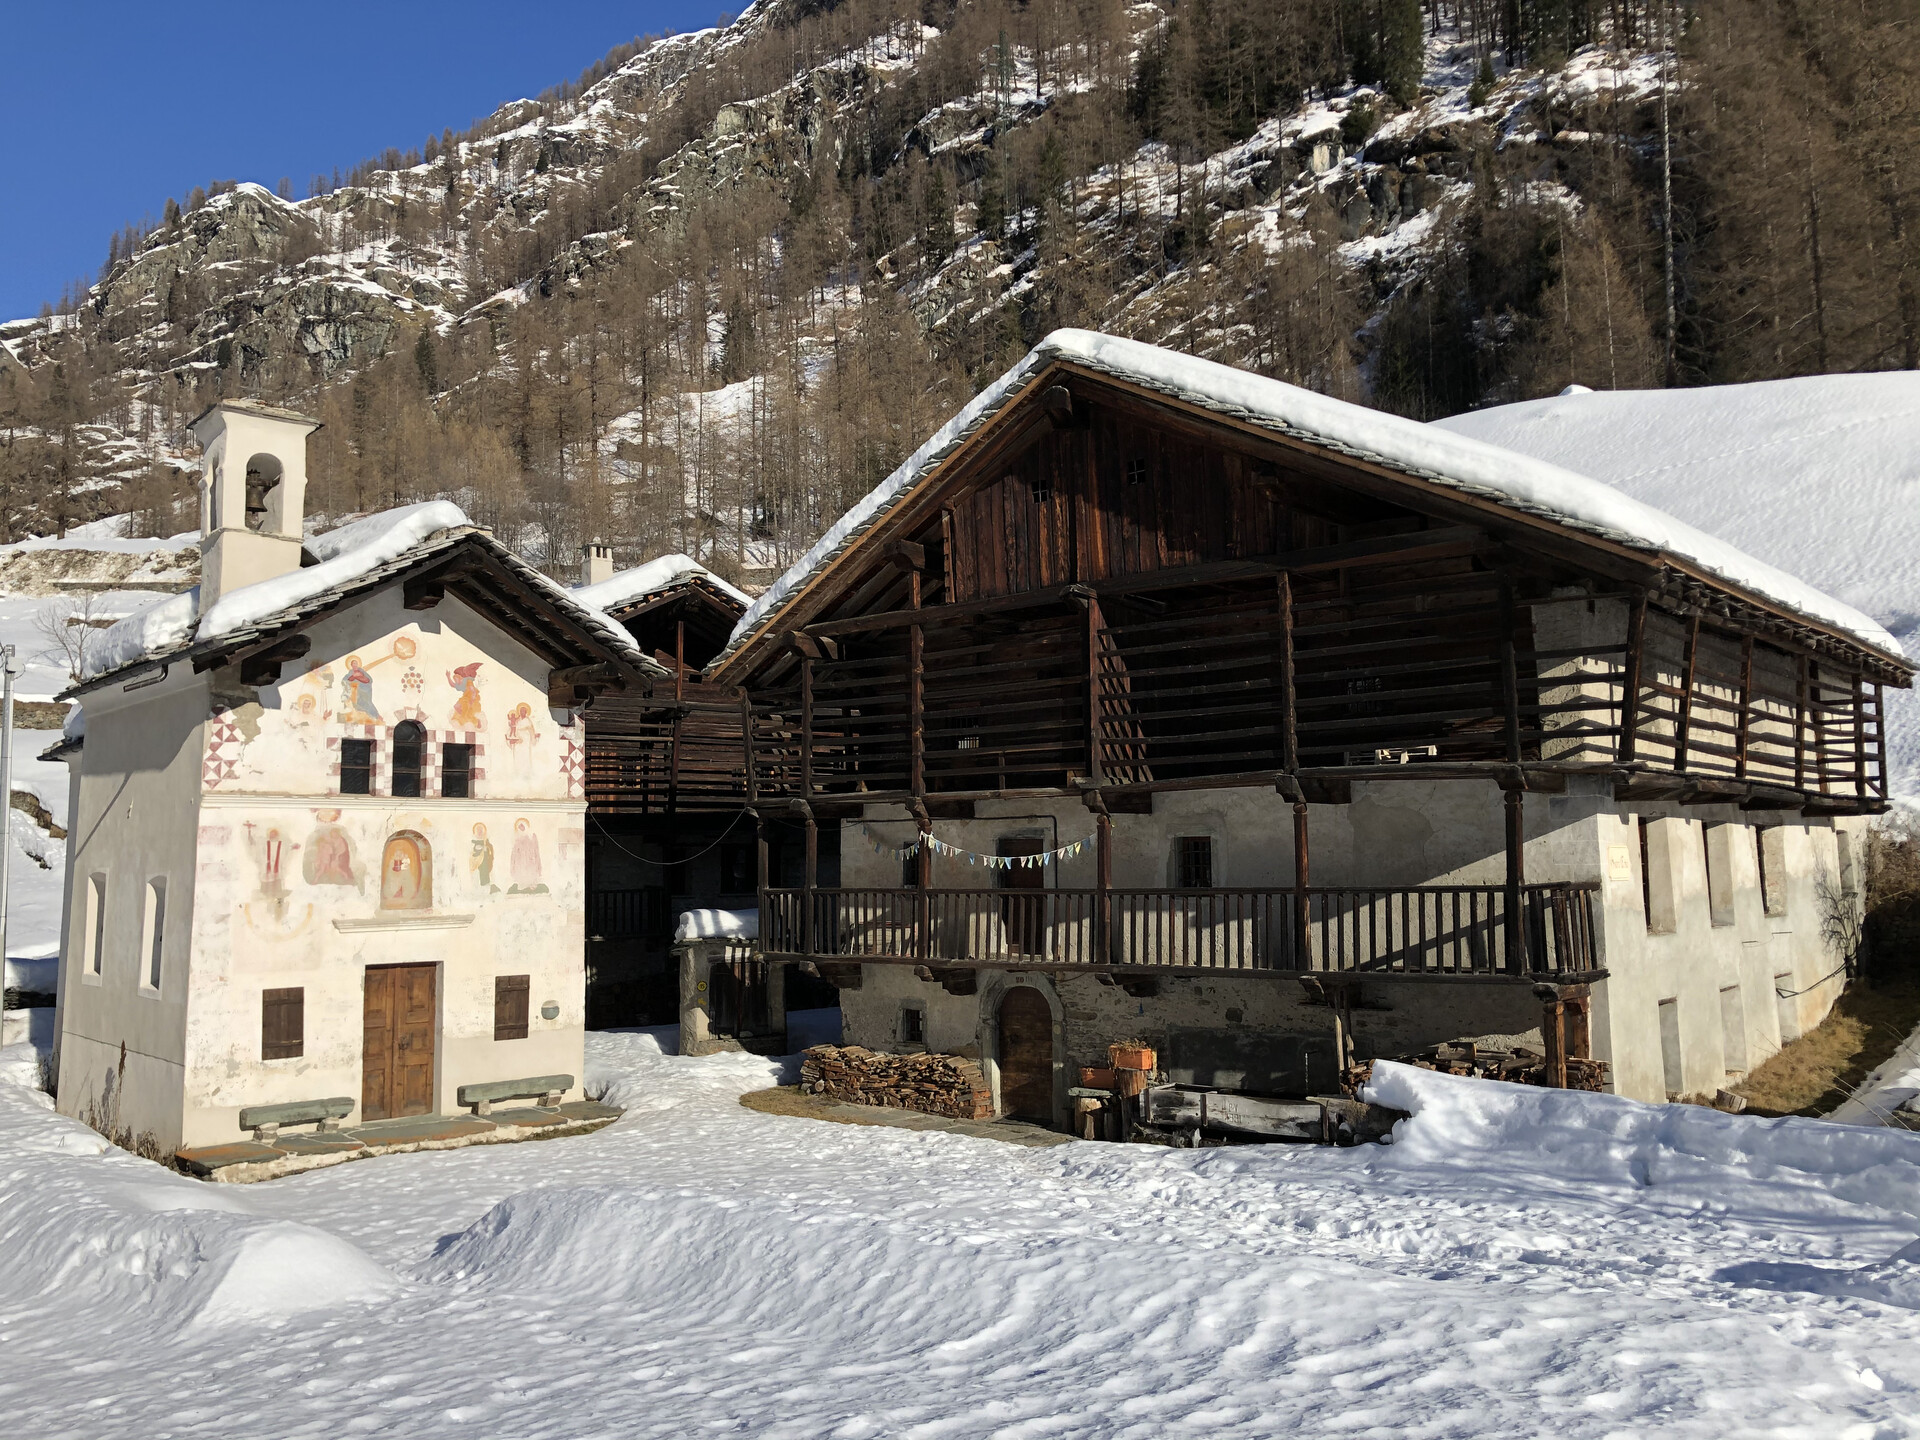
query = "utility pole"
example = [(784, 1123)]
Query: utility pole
[(6, 790)]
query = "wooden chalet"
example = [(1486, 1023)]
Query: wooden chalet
[(1143, 590)]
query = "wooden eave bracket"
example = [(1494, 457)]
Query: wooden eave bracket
[(571, 684)]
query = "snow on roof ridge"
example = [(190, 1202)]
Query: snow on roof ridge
[(345, 554), (1476, 467), (660, 573)]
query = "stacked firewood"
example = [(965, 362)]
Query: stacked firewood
[(1520, 1065), (931, 1084)]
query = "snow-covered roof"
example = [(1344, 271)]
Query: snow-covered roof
[(642, 581), (1518, 482), (350, 558)]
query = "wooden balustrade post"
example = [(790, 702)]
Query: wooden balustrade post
[(1289, 705), (1744, 730), (1683, 732), (812, 882)]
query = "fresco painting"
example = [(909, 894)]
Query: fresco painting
[(523, 861), (521, 735), (480, 860), (406, 872), (467, 714), (329, 852)]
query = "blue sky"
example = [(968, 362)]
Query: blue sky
[(113, 107)]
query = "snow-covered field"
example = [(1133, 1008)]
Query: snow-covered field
[(1520, 1263)]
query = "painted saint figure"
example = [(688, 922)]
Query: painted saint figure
[(480, 861), (520, 737), (406, 873), (356, 695), (329, 854), (523, 861), (466, 710)]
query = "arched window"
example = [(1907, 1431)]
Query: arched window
[(263, 475), (409, 738), (406, 872)]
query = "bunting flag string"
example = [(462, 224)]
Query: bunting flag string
[(887, 850)]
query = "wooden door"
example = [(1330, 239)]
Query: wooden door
[(396, 1055), (1026, 1055), (1023, 913)]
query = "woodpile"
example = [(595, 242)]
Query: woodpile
[(1519, 1065), (931, 1084)]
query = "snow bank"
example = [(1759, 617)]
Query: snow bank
[(656, 575), (1684, 1153), (1520, 482), (39, 973), (130, 1246), (718, 925)]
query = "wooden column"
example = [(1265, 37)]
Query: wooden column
[(1103, 889), (1800, 723), (916, 694), (1746, 708), (812, 883), (1516, 879), (1880, 732), (1682, 736), (1816, 715), (806, 728), (1859, 736), (1289, 707), (1630, 682), (1509, 676), (1552, 1022), (1096, 729), (1302, 902), (1578, 1031), (922, 879), (679, 659)]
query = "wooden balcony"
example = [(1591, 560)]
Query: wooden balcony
[(1430, 931)]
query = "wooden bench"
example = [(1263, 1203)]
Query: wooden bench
[(547, 1089), (265, 1120)]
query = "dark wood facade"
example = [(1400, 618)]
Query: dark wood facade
[(1106, 594)]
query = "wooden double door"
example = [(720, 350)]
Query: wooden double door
[(396, 1055)]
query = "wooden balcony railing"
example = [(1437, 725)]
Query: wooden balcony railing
[(1432, 930)]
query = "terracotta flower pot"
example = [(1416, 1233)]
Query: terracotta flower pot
[(1130, 1057), (1096, 1077)]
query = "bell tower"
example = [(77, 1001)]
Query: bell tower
[(253, 492)]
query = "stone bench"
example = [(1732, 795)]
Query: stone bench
[(547, 1089), (265, 1120)]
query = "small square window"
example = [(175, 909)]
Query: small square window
[(1194, 857), (356, 767), (1136, 471), (913, 1025), (456, 771), (1042, 486)]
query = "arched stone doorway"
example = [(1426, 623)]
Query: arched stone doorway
[(406, 872), (1026, 1055)]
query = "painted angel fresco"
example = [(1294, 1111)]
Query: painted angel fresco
[(523, 861), (466, 710)]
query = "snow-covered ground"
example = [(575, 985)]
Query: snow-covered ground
[(1520, 1263)]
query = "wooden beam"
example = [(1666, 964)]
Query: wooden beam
[(423, 592), (1800, 723), (1289, 700), (1682, 734), (1859, 736), (806, 727), (916, 695), (1746, 708), (1630, 681), (1057, 402), (908, 555), (1096, 728), (1516, 880), (1509, 676), (1302, 900), (263, 666)]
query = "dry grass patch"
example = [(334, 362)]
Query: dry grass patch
[(1811, 1075)]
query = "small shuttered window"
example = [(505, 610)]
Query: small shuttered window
[(510, 1007), (356, 767), (1194, 862), (456, 771), (283, 1023), (409, 738)]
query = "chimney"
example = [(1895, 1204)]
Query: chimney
[(253, 491), (599, 560)]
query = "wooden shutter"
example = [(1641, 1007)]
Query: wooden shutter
[(283, 1023), (510, 1007)]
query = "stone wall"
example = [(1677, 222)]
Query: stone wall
[(932, 1084)]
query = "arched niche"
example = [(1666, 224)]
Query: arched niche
[(406, 872)]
